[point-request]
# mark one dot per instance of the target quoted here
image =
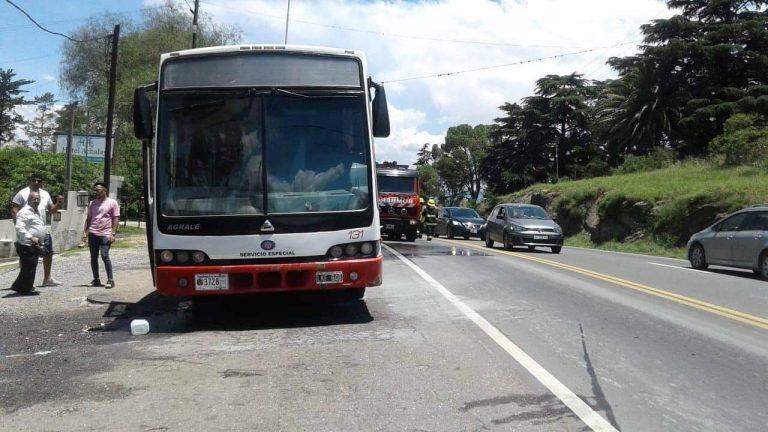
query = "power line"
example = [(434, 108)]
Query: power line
[(30, 58), (398, 35), (62, 21), (484, 68), (53, 32)]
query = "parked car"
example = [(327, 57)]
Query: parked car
[(523, 225), (738, 240), (461, 222)]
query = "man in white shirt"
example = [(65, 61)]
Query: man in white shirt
[(30, 232), (35, 184)]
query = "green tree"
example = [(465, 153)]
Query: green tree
[(430, 181), (706, 63), (84, 71), (424, 155), (41, 128), (466, 146), (11, 95), (636, 113)]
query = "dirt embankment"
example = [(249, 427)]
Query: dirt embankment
[(609, 217)]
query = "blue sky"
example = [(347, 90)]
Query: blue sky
[(400, 38)]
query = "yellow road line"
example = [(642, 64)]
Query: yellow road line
[(677, 298)]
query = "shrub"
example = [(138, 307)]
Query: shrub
[(657, 159), (742, 143)]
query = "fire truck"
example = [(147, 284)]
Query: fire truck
[(399, 206)]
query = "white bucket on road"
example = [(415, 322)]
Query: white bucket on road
[(139, 327)]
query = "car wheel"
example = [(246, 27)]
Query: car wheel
[(466, 237), (531, 248), (764, 266), (449, 232), (410, 236), (698, 257), (507, 242), (556, 249), (488, 241)]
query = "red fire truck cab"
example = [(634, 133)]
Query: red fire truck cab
[(399, 206)]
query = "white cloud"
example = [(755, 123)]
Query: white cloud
[(406, 138), (427, 107), (48, 77)]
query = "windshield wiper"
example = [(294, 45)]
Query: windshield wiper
[(351, 94)]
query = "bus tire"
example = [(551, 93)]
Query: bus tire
[(353, 294)]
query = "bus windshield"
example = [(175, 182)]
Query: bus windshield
[(396, 184), (241, 154)]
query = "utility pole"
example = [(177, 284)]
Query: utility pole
[(287, 19), (68, 181), (194, 24), (111, 105)]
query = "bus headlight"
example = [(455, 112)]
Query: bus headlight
[(336, 252), (182, 257), (198, 257), (166, 256), (351, 250), (366, 248)]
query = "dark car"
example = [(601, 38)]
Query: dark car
[(738, 240), (523, 225), (459, 222)]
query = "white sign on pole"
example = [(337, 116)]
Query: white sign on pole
[(88, 146)]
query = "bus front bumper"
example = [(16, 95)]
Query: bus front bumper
[(264, 278)]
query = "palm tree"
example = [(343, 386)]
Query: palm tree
[(637, 112)]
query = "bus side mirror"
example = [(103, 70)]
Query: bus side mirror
[(142, 113), (380, 111)]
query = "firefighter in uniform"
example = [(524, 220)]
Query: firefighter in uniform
[(430, 218), (422, 216)]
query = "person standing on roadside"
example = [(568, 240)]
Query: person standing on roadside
[(35, 184), (100, 230), (30, 235), (430, 218)]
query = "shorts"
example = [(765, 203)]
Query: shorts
[(46, 248)]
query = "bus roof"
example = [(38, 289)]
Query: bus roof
[(307, 49), (396, 172)]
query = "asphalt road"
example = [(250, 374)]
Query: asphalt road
[(458, 338)]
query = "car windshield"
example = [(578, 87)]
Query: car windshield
[(528, 213), (396, 184), (464, 213), (221, 156)]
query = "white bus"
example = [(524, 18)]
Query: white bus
[(260, 174)]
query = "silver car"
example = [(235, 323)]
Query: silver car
[(738, 240), (523, 225)]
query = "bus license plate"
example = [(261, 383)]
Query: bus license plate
[(540, 237), (330, 277), (211, 282), (389, 226)]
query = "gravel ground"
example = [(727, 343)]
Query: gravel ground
[(60, 320)]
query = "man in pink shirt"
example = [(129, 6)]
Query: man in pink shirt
[(100, 229)]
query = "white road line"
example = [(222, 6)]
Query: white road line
[(589, 416), (678, 267)]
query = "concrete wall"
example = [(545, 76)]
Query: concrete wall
[(66, 229)]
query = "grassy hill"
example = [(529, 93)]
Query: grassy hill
[(648, 212)]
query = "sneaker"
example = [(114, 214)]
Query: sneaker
[(94, 283), (110, 284), (51, 283)]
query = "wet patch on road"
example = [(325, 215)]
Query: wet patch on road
[(410, 250), (547, 408)]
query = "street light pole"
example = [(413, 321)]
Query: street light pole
[(68, 180), (287, 19), (111, 105)]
